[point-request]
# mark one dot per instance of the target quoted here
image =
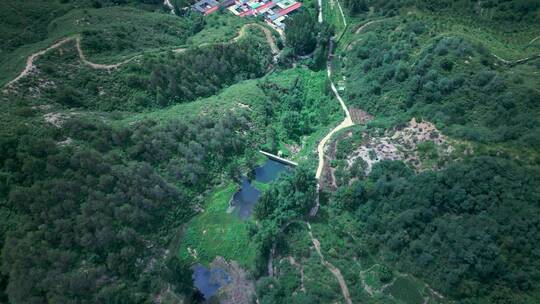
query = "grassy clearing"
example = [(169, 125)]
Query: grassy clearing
[(243, 93), (507, 43), (332, 15), (513, 41), (407, 290), (322, 111), (113, 33), (219, 27), (218, 233)]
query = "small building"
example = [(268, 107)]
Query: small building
[(206, 7)]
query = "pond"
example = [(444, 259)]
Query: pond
[(270, 171), (209, 281), (246, 198)]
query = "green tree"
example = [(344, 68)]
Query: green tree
[(301, 32)]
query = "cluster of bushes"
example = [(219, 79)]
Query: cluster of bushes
[(305, 36), (467, 229), (488, 11), (201, 72), (451, 82), (290, 111)]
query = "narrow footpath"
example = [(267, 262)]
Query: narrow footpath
[(347, 122), (30, 61), (320, 12), (334, 270)]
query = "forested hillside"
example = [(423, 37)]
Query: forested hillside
[(131, 130), (433, 195)]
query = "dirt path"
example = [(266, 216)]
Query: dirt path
[(31, 60), (360, 29), (98, 66), (297, 265), (334, 270), (267, 33), (320, 12), (342, 14), (516, 62), (347, 122)]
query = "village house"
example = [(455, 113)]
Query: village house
[(273, 11)]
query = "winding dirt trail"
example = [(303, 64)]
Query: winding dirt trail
[(516, 62), (30, 61), (99, 66), (334, 270), (363, 27), (347, 122), (267, 33), (30, 66)]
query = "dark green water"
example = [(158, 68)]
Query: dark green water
[(246, 198)]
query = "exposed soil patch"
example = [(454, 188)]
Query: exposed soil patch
[(240, 289), (328, 179), (419, 144), (360, 116), (56, 119)]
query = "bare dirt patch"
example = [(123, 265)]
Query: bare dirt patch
[(360, 116), (419, 144), (56, 119), (240, 288)]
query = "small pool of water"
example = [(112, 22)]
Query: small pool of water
[(270, 171), (209, 281), (246, 198)]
